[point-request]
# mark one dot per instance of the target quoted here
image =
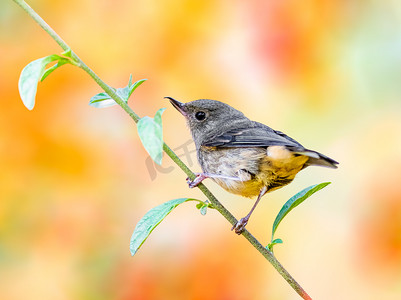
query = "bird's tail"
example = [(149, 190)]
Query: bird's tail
[(318, 159)]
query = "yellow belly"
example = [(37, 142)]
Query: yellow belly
[(273, 169), (248, 188)]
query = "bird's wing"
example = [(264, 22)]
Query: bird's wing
[(263, 136), (257, 136)]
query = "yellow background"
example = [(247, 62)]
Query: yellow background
[(75, 180)]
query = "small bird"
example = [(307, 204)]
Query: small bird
[(243, 156)]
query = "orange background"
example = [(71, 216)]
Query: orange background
[(75, 180)]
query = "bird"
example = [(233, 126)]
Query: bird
[(242, 156)]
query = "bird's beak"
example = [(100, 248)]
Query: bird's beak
[(178, 105)]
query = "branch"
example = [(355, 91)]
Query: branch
[(216, 204)]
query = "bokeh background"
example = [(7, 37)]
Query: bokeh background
[(75, 180)]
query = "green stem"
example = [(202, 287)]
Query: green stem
[(216, 204)]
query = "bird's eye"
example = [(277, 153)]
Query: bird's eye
[(200, 115)]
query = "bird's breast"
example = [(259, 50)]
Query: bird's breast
[(240, 163)]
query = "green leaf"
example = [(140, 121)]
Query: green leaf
[(274, 242), (151, 134), (202, 206), (103, 99), (61, 62), (29, 78), (123, 93), (277, 241), (294, 201), (134, 86), (67, 53), (203, 210), (150, 220), (126, 92), (35, 72)]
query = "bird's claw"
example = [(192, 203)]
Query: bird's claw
[(240, 226), (190, 183), (194, 183)]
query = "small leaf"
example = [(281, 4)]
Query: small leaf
[(123, 93), (203, 206), (277, 241), (134, 86), (29, 78), (151, 134), (35, 71), (103, 99), (67, 53), (150, 220), (294, 201), (61, 62), (203, 210), (271, 245), (126, 92)]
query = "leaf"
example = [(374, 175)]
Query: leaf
[(29, 78), (134, 86), (150, 220), (203, 210), (277, 241), (126, 92), (294, 201), (151, 134), (274, 242), (202, 206), (35, 71), (123, 93), (61, 62), (67, 53), (103, 99)]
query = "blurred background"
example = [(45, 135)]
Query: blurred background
[(75, 180)]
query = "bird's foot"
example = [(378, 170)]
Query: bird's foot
[(198, 179), (240, 226)]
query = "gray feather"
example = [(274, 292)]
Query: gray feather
[(260, 135)]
